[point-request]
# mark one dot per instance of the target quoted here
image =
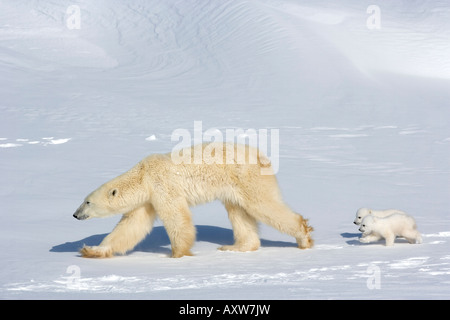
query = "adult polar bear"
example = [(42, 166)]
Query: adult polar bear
[(159, 186)]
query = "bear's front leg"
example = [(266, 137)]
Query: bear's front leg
[(180, 229), (96, 252), (369, 238), (130, 230), (390, 239)]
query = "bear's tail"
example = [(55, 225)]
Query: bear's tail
[(263, 160)]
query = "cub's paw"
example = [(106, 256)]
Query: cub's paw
[(364, 240)]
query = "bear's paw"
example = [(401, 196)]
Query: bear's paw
[(96, 252)]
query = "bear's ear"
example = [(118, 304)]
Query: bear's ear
[(113, 192)]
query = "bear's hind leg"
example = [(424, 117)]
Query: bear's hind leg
[(245, 229), (130, 230), (180, 229), (413, 236), (278, 215)]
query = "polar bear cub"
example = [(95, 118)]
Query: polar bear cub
[(363, 212), (395, 225)]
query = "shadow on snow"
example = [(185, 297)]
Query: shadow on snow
[(354, 239), (158, 240)]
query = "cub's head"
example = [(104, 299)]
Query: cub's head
[(360, 214), (367, 224)]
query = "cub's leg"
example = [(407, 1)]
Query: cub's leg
[(413, 236), (390, 238), (370, 238), (180, 229), (274, 212), (245, 229), (130, 230)]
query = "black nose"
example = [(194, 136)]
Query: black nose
[(75, 216), (353, 221)]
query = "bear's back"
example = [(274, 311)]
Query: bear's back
[(399, 221)]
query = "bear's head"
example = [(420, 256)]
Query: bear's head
[(117, 196), (100, 203), (360, 214), (367, 224)]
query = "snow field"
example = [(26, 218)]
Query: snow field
[(362, 116)]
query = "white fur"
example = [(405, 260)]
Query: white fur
[(158, 186), (363, 212), (388, 228)]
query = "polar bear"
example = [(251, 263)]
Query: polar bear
[(362, 212), (159, 186), (394, 225)]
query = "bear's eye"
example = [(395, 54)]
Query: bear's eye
[(88, 202), (364, 225), (113, 192)]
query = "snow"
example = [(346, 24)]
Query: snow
[(362, 115)]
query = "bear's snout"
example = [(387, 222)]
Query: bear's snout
[(80, 215)]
